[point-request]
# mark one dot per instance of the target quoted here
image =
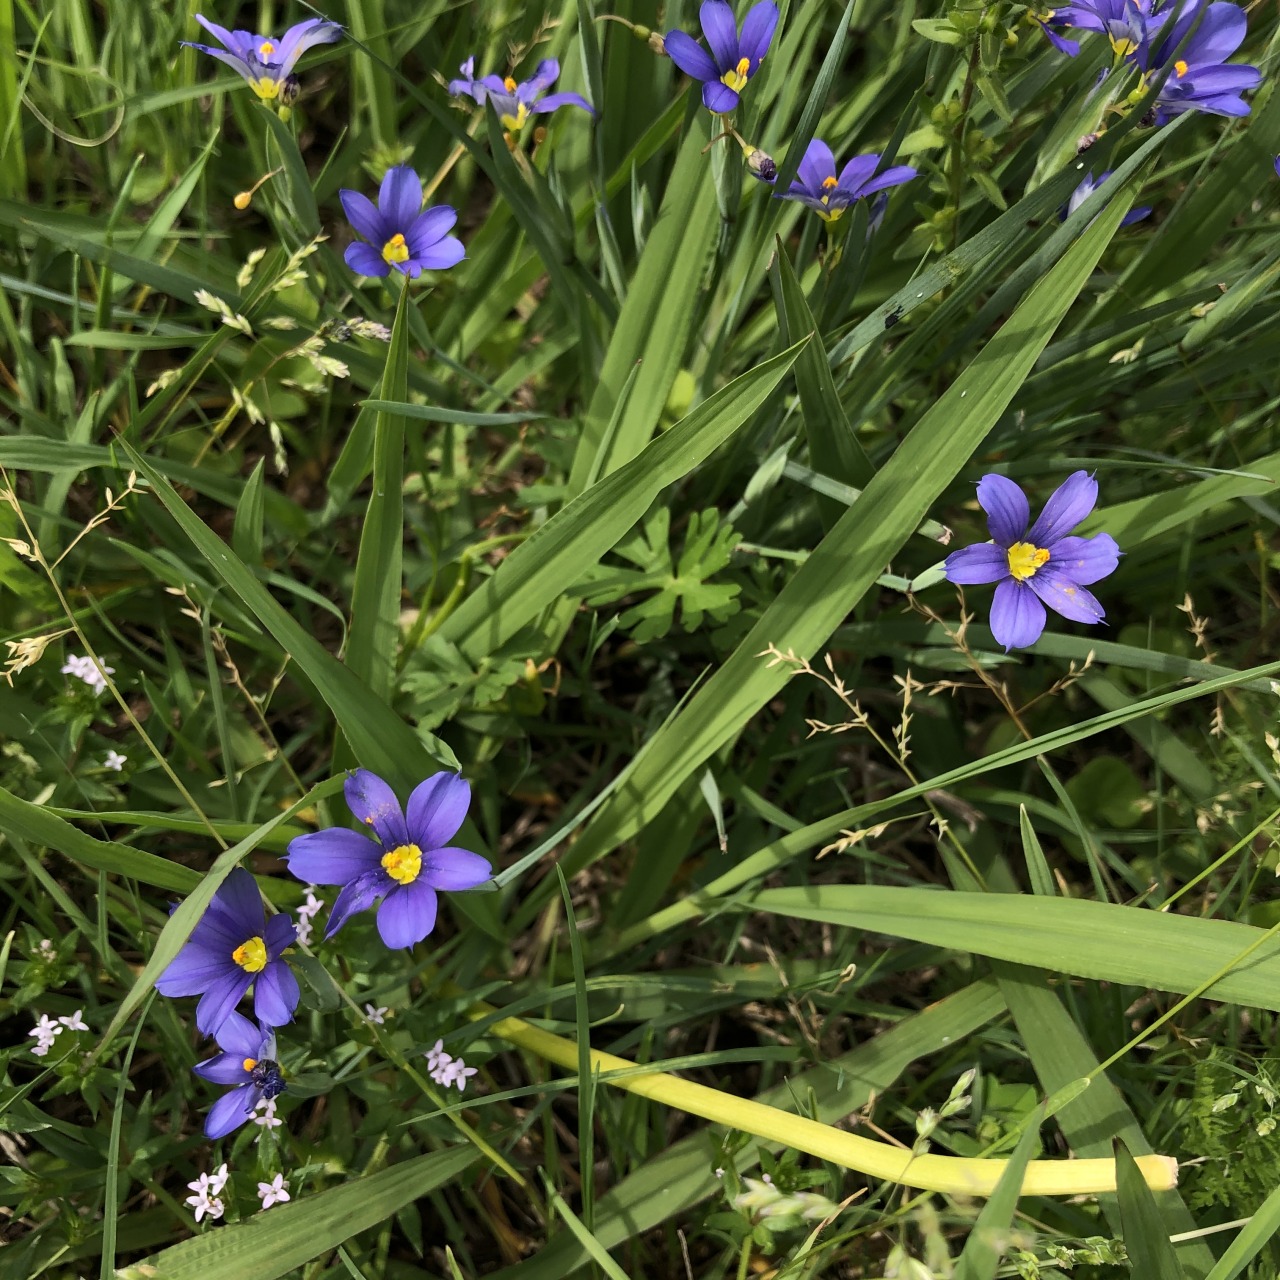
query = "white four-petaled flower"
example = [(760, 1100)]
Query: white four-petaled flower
[(45, 1032), (377, 1014), (86, 669), (115, 761), (74, 1022), (274, 1192)]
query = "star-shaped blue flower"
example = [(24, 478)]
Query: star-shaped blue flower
[(411, 860), (1036, 566), (233, 948), (400, 233), (265, 62), (517, 101), (829, 194), (733, 59)]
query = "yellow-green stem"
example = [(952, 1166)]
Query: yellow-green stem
[(952, 1175)]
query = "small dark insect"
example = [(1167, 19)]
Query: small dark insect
[(893, 317), (1086, 141), (265, 1074)]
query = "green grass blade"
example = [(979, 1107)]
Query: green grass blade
[(1150, 1250), (1099, 940), (379, 576), (1262, 1228), (271, 1245)]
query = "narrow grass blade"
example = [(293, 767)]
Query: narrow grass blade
[(1150, 1250), (1253, 1238)]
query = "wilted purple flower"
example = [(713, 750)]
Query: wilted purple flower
[(399, 232), (265, 62), (1201, 78), (1087, 187), (515, 101), (1036, 566), (410, 862), (733, 58), (232, 948), (819, 188), (247, 1062)]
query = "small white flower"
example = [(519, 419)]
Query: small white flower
[(86, 669), (302, 933), (457, 1072), (377, 1014), (312, 904), (274, 1192), (264, 1114), (45, 1032), (75, 1022), (437, 1058), (114, 760), (719, 1173), (206, 1204), (47, 950), (218, 1179)]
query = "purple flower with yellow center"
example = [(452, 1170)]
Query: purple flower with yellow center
[(1123, 22), (233, 948), (1036, 566), (265, 62), (410, 862), (248, 1063), (1201, 78), (818, 186), (733, 59), (516, 101), (400, 233)]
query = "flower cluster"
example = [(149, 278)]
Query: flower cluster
[(94, 674), (208, 1188), (1186, 41), (306, 916), (47, 1030), (445, 1069), (235, 948)]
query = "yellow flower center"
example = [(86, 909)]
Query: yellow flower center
[(266, 87), (514, 123), (395, 250), (1123, 46), (509, 84), (737, 78), (251, 956), (250, 1063), (828, 183), (1180, 68), (266, 49), (1025, 558), (404, 864)]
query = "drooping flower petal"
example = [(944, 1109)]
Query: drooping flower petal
[(894, 176), (547, 73), (407, 914), (223, 1068), (276, 994), (222, 996), (231, 1111), (554, 101), (983, 562), (1008, 511), (355, 897), (719, 98), (1017, 616)]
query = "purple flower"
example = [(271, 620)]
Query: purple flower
[(1087, 187), (1036, 566), (733, 59), (410, 862), (400, 233), (1123, 22), (1201, 79), (265, 62), (248, 1062), (233, 948), (515, 101), (818, 186)]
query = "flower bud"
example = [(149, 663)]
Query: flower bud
[(657, 44), (761, 165), (242, 199), (290, 90)]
